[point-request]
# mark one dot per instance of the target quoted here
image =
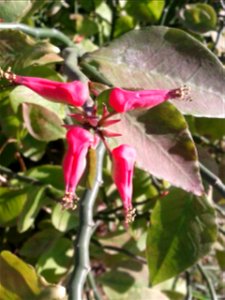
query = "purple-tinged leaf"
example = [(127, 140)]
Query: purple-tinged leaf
[(42, 124), (164, 145), (165, 58)]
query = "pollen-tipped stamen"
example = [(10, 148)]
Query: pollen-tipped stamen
[(183, 93), (8, 75), (130, 215), (69, 201)]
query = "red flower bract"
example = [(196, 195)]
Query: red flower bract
[(74, 93), (123, 159), (79, 140), (123, 100)]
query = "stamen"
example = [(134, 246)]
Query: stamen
[(8, 75), (183, 93), (130, 216), (69, 201)]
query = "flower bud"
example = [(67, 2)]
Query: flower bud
[(79, 140), (123, 159), (73, 93), (123, 100)]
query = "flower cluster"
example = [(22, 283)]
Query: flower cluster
[(81, 138)]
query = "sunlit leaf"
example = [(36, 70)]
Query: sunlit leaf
[(42, 124), (18, 50), (55, 262), (19, 281), (160, 58), (183, 228), (164, 145), (35, 200), (13, 10), (11, 205), (63, 220), (199, 17)]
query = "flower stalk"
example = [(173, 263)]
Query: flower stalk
[(85, 230)]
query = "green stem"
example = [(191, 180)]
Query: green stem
[(39, 33), (82, 260), (92, 283), (208, 281)]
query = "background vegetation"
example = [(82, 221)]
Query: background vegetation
[(175, 248)]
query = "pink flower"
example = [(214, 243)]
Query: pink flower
[(79, 140), (123, 159), (74, 93), (124, 100)]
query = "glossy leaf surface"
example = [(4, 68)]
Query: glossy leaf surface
[(182, 230)]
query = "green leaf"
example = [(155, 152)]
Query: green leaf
[(183, 228), (38, 243), (48, 174), (33, 149), (163, 144), (31, 208), (18, 50), (199, 17), (11, 205), (42, 124), (19, 281), (55, 262), (164, 58), (212, 129), (86, 27), (123, 24), (145, 10), (14, 10), (64, 220), (9, 121)]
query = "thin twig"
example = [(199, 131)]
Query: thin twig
[(82, 260), (121, 250), (212, 179), (11, 174), (39, 33), (188, 286), (92, 283), (208, 281)]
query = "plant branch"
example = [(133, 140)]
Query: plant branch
[(208, 281), (82, 260), (212, 179), (39, 33), (92, 283), (11, 174)]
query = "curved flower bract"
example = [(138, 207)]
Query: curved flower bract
[(123, 100), (73, 93), (123, 159), (79, 140)]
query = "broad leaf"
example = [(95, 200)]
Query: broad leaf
[(164, 145), (183, 228), (63, 220), (161, 58), (199, 17), (11, 205), (12, 11), (55, 262), (38, 243), (48, 174), (18, 50), (19, 281), (35, 200), (42, 124)]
